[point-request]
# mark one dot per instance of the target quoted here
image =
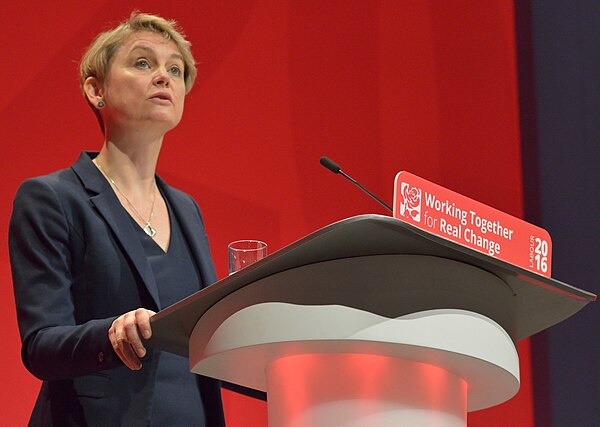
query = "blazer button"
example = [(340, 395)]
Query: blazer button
[(100, 357)]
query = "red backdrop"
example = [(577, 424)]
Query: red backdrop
[(379, 86)]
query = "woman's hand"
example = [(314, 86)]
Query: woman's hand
[(126, 333)]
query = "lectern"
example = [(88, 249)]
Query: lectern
[(369, 321)]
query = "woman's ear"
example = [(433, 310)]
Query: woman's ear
[(93, 91)]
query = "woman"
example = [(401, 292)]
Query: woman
[(98, 248)]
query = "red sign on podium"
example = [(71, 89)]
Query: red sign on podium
[(470, 223)]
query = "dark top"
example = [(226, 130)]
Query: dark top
[(176, 277)]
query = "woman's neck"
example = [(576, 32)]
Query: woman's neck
[(131, 163)]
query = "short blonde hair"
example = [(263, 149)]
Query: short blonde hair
[(97, 58)]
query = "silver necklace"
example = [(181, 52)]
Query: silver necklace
[(148, 229)]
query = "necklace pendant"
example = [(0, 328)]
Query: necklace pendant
[(149, 230)]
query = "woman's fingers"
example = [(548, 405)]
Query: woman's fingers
[(132, 335), (142, 318), (127, 355), (126, 333), (122, 347)]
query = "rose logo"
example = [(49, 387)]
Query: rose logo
[(410, 203)]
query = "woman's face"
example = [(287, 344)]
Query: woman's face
[(145, 84)]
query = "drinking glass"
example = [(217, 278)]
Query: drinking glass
[(242, 253)]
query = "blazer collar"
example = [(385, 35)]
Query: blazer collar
[(106, 202)]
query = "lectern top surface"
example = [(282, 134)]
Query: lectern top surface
[(540, 301)]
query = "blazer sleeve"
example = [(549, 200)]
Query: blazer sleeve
[(40, 242)]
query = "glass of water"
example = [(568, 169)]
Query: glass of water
[(242, 253)]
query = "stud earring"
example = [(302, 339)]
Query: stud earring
[(101, 104)]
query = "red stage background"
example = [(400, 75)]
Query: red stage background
[(379, 86)]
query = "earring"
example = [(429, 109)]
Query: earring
[(101, 104)]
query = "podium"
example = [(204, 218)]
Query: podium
[(369, 321)]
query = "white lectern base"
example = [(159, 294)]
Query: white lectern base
[(333, 366), (357, 390)]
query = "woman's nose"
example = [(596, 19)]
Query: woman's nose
[(162, 77)]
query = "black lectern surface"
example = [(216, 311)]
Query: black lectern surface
[(540, 302)]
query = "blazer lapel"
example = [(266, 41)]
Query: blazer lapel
[(189, 219), (109, 207)]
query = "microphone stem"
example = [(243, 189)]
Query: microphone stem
[(388, 207)]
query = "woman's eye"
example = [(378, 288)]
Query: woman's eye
[(175, 70), (142, 63)]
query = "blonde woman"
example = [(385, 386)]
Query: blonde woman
[(98, 248)]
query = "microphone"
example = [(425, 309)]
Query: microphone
[(335, 168)]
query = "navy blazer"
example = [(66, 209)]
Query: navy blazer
[(77, 264)]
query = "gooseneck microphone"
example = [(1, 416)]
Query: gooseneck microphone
[(335, 168)]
